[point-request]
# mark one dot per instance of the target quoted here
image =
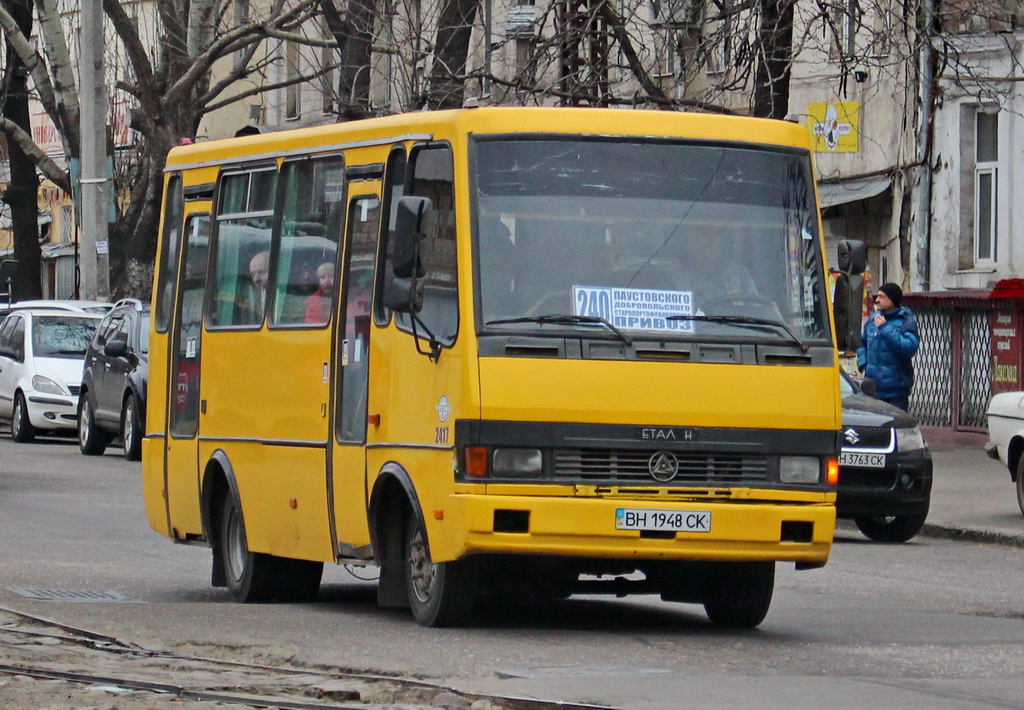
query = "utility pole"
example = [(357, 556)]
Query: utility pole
[(920, 257), (95, 186)]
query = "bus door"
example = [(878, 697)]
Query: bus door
[(351, 369), (182, 452)]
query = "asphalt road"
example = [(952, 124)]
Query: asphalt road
[(932, 623)]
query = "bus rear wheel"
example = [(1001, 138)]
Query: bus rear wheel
[(737, 595), (254, 577), (440, 594)]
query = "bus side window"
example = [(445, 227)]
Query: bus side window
[(171, 236), (433, 177), (311, 219), (245, 213), (394, 188)]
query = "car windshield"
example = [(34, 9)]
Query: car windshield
[(846, 387), (62, 336), (671, 238)]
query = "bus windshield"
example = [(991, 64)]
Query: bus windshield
[(658, 238)]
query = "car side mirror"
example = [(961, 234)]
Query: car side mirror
[(115, 348), (867, 386)]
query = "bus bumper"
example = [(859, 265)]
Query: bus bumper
[(746, 531)]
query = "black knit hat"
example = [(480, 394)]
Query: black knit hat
[(894, 292)]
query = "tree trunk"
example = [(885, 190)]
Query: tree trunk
[(454, 30), (354, 74), (771, 79), (23, 190)]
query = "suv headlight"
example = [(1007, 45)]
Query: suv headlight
[(910, 439), (47, 386)]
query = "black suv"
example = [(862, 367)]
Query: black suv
[(113, 397), (885, 468)]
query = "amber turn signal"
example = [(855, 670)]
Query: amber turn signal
[(476, 461), (832, 474)]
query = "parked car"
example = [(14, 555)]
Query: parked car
[(98, 307), (1005, 418), (41, 355), (885, 468), (113, 401)]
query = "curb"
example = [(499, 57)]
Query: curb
[(948, 532)]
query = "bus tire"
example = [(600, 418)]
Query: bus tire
[(22, 430), (92, 441), (440, 594), (131, 429), (250, 575), (737, 595)]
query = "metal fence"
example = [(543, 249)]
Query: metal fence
[(953, 366)]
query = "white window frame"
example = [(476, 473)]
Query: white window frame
[(986, 214)]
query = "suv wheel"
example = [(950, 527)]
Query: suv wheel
[(132, 429), (91, 440)]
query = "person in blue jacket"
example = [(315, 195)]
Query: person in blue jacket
[(888, 343)]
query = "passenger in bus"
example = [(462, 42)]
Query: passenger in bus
[(318, 305), (256, 300)]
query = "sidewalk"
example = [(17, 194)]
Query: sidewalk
[(972, 495)]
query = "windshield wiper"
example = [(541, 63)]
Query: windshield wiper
[(558, 319), (749, 321)]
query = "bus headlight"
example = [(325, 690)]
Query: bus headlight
[(909, 439), (799, 469), (45, 385), (517, 463)]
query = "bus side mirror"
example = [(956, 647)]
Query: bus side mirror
[(411, 219), (852, 255), (847, 306), (403, 295)]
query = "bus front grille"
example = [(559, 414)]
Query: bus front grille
[(618, 466)]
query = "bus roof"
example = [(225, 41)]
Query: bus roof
[(425, 125)]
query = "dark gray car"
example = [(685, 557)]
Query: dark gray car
[(885, 468), (113, 397)]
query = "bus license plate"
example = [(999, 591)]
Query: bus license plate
[(666, 520), (847, 458)]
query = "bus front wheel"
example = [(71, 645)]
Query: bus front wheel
[(440, 594), (737, 595)]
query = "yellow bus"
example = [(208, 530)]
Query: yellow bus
[(500, 353)]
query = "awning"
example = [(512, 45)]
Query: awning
[(839, 193)]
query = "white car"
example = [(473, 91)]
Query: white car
[(99, 307), (1006, 436), (42, 352)]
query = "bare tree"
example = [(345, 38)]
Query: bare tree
[(21, 191)]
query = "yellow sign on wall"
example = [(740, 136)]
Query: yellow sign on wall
[(834, 126)]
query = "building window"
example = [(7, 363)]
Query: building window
[(291, 101), (986, 172)]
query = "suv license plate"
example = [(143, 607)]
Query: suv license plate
[(847, 458), (667, 520)]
